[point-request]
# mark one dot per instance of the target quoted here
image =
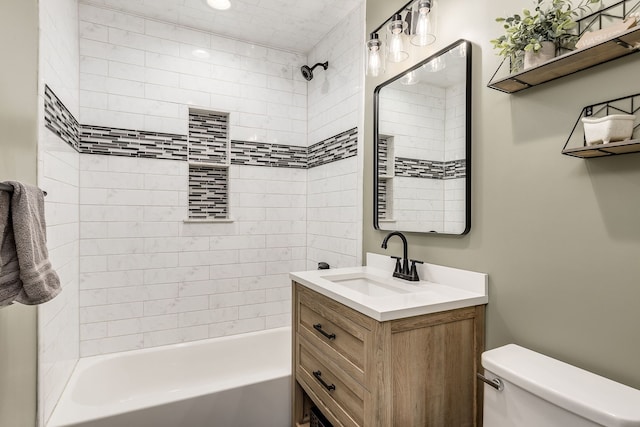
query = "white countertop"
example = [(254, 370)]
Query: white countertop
[(440, 289)]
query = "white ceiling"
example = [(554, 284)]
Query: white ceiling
[(295, 25)]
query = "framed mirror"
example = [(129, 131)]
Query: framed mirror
[(422, 146)]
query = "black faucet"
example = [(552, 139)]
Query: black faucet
[(402, 270)]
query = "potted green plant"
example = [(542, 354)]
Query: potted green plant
[(534, 36)]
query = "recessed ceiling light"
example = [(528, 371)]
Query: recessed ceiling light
[(219, 4)]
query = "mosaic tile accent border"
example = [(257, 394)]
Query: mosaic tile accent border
[(383, 184), (208, 134), (338, 147), (383, 156), (382, 198), (132, 143), (455, 169), (59, 120), (250, 153), (430, 169), (419, 168), (208, 192)]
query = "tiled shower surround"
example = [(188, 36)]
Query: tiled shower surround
[(116, 166), (148, 278), (58, 174)]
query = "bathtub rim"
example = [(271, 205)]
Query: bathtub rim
[(74, 412)]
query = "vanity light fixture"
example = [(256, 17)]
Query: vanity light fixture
[(375, 56), (397, 49), (418, 25), (219, 4)]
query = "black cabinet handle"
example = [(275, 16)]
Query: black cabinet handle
[(318, 375), (318, 327)]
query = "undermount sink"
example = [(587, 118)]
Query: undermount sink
[(367, 284)]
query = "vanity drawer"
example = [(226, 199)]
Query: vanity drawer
[(337, 391), (333, 328)]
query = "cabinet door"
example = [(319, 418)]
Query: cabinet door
[(434, 371)]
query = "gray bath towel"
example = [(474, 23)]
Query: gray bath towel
[(26, 275)]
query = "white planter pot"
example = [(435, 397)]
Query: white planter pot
[(616, 127), (546, 52)]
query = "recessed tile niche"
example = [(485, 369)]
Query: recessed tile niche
[(208, 165)]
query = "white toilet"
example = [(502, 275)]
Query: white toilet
[(537, 391)]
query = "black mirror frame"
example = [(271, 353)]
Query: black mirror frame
[(376, 109)]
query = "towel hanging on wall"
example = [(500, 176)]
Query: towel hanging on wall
[(26, 275)]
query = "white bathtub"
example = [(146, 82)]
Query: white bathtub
[(238, 381)]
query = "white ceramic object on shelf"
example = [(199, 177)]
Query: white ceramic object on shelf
[(615, 127)]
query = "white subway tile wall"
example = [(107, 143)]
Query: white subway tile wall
[(455, 134), (418, 131), (334, 190), (58, 174), (142, 74), (455, 123), (418, 202), (454, 205), (139, 262), (333, 220), (148, 278), (426, 147), (335, 94)]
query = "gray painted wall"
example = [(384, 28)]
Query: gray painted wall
[(18, 143), (558, 236)]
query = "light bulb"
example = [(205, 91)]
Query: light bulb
[(397, 52), (374, 63), (375, 60)]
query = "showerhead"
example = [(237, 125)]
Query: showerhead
[(307, 72)]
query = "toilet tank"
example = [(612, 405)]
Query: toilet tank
[(543, 392)]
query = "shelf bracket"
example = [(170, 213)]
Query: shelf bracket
[(624, 44), (521, 82)]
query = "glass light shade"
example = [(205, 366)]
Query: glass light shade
[(436, 64), (396, 44), (375, 56), (409, 79), (423, 35)]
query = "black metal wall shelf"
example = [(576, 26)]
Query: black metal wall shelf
[(615, 47), (625, 105), (603, 150)]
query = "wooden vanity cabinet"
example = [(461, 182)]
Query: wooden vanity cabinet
[(411, 372)]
